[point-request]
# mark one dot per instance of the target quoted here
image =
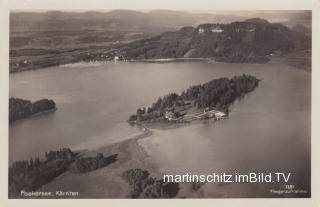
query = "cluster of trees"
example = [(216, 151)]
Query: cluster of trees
[(19, 167), (158, 108), (32, 174), (218, 93), (142, 185), (166, 45), (64, 153), (23, 166), (88, 164), (20, 108)]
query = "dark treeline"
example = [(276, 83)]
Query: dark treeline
[(87, 164), (218, 94), (20, 108), (31, 174), (142, 185)]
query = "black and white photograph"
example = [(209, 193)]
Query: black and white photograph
[(159, 103)]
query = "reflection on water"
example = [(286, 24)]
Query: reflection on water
[(269, 130)]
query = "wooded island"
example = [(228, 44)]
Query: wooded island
[(204, 101)]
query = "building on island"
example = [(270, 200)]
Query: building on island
[(169, 115)]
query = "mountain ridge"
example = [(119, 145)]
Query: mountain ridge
[(252, 40)]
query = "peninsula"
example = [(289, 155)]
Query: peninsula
[(29, 175), (207, 101)]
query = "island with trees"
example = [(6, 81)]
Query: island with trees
[(210, 100), (21, 108)]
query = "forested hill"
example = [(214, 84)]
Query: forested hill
[(252, 40)]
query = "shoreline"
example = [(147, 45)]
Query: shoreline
[(168, 126), (95, 184), (160, 60), (96, 62), (34, 115), (168, 60), (281, 60)]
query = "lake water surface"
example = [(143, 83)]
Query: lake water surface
[(267, 131)]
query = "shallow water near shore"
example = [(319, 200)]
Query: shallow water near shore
[(267, 131)]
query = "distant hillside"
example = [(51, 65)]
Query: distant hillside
[(137, 20), (302, 18), (161, 20), (43, 39), (57, 29), (252, 40), (60, 29)]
